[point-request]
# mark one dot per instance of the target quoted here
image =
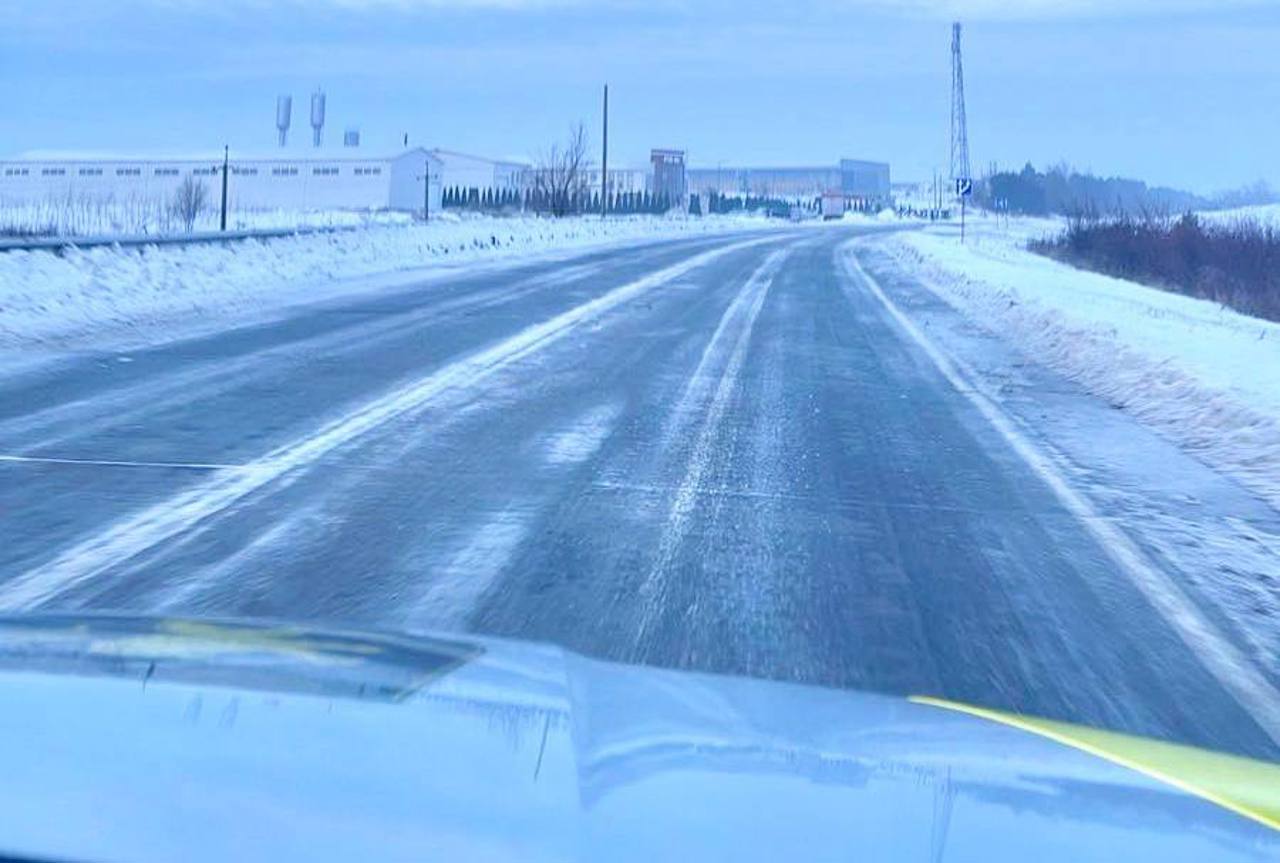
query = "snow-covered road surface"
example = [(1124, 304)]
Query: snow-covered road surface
[(725, 454)]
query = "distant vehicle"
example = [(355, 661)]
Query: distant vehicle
[(146, 739), (832, 205)]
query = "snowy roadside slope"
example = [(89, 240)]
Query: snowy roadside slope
[(107, 296), (1204, 376)]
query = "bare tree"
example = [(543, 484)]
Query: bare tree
[(560, 182), (189, 201)]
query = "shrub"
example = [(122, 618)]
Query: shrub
[(1236, 265), (189, 200)]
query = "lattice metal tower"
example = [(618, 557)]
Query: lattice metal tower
[(959, 127)]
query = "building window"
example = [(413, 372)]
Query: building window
[(248, 172), (284, 172), (53, 172), (16, 172), (166, 172), (90, 172), (128, 172), (204, 172), (368, 172), (324, 172)]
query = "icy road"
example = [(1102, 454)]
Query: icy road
[(768, 454)]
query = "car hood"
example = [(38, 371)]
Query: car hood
[(127, 739)]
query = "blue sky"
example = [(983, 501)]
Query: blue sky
[(1182, 92)]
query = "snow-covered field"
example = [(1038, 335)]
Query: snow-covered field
[(104, 296), (1203, 375), (1265, 215)]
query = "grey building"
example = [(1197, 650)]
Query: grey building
[(668, 174), (855, 179), (788, 182), (866, 180)]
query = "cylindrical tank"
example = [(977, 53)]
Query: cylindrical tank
[(317, 114), (351, 138), (284, 114)]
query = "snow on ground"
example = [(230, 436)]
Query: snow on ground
[(1266, 215), (111, 295), (1203, 375), (88, 217)]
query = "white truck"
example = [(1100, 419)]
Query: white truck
[(832, 205)]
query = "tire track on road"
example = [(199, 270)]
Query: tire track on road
[(737, 324)]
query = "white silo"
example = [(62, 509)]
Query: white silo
[(317, 115), (284, 114)]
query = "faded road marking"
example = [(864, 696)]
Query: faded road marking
[(583, 437), (470, 570)]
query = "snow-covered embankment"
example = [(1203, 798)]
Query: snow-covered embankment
[(1203, 375), (109, 295)]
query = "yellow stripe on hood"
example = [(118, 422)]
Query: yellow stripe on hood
[(1246, 787)]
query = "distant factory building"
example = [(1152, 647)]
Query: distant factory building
[(862, 179), (467, 171), (856, 180), (789, 182), (289, 178), (621, 180), (348, 178), (667, 174)]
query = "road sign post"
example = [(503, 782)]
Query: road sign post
[(964, 188)]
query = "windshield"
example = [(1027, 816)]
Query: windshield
[(920, 349)]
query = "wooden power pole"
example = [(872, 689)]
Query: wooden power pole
[(226, 160)]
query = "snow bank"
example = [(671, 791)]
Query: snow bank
[(109, 293), (1204, 375)]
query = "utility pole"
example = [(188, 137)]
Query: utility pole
[(604, 161), (226, 161), (960, 169)]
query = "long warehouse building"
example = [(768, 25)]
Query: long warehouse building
[(312, 179), (856, 179)]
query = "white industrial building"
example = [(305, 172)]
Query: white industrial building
[(348, 178), (621, 180), (476, 172)]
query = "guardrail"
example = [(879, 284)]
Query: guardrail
[(30, 244)]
